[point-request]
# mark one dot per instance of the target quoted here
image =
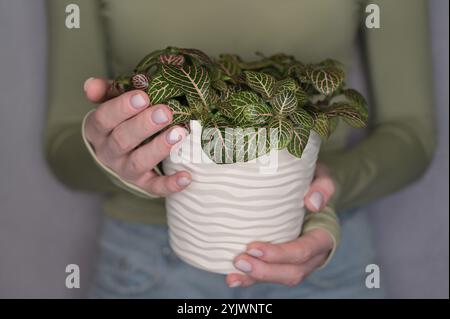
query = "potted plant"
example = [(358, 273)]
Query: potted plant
[(255, 133)]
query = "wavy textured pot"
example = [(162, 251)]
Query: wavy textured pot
[(228, 206)]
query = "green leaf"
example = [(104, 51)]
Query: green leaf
[(287, 84), (280, 132), (349, 113), (249, 108), (302, 97), (225, 108), (217, 139), (300, 136), (198, 55), (160, 90), (250, 143), (220, 85), (284, 102), (322, 125), (326, 80), (148, 61), (197, 107), (334, 121), (260, 82), (193, 80), (357, 100), (353, 111), (301, 117), (300, 71), (173, 59), (181, 114), (332, 64), (229, 64)]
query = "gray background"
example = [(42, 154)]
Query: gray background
[(44, 227)]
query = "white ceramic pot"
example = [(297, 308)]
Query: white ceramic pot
[(228, 206)]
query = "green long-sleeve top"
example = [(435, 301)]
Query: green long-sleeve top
[(114, 35)]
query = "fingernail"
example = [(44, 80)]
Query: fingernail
[(159, 116), (174, 136), (86, 83), (254, 252), (138, 101), (243, 265), (183, 181), (235, 284), (316, 200)]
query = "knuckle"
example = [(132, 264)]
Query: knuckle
[(120, 141), (295, 281), (296, 278), (161, 146), (146, 123), (100, 121), (136, 163), (306, 254), (259, 274)]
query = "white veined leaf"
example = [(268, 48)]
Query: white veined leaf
[(300, 136), (249, 108), (217, 140), (147, 62), (287, 84), (349, 113), (260, 82), (354, 111), (326, 80), (250, 143), (322, 125), (284, 102), (193, 80), (160, 90), (302, 97), (181, 114), (301, 117), (280, 132), (229, 64)]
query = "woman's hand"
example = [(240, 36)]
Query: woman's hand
[(289, 263), (120, 124)]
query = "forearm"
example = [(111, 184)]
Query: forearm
[(402, 138), (70, 161)]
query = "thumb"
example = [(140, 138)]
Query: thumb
[(320, 191), (98, 90)]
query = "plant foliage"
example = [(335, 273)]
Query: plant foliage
[(277, 95)]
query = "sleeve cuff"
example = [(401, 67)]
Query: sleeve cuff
[(326, 220), (116, 179)]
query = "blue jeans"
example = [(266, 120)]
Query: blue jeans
[(136, 262)]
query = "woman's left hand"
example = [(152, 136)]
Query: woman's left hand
[(287, 264)]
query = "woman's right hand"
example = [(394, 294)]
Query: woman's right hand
[(119, 124)]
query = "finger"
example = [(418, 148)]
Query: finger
[(166, 185), (115, 111), (297, 251), (146, 157), (235, 280), (133, 131), (320, 190), (314, 263), (286, 274), (97, 90)]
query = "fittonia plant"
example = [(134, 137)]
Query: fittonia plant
[(276, 93)]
